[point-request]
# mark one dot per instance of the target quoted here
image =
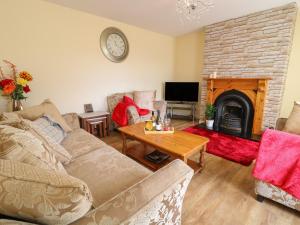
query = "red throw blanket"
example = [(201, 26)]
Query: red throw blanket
[(120, 112), (278, 161)]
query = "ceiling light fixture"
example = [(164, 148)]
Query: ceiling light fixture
[(192, 10)]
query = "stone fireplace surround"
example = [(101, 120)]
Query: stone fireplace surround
[(253, 46)]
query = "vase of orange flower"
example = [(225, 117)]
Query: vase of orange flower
[(15, 85)]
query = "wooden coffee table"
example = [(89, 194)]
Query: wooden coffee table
[(180, 145)]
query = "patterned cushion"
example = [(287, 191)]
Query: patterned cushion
[(293, 123), (51, 145), (13, 222), (9, 116), (22, 146), (144, 99), (50, 127), (47, 107), (40, 195)]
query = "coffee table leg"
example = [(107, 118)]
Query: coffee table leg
[(124, 149), (184, 159), (201, 159)]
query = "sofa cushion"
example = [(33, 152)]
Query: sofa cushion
[(144, 99), (79, 142), (22, 146), (14, 222), (293, 123), (107, 172), (51, 145), (50, 127), (46, 107), (9, 116), (41, 196)]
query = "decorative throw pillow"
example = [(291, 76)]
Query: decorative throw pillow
[(9, 116), (50, 127), (41, 196), (144, 99), (13, 222), (51, 145), (20, 145), (293, 123), (47, 107)]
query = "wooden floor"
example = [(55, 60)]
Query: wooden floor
[(223, 194)]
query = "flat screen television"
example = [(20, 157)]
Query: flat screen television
[(182, 91)]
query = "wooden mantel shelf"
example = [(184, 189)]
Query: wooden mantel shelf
[(238, 78), (254, 87)]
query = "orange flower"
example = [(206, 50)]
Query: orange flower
[(25, 75), (8, 89)]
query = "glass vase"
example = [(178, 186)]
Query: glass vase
[(17, 105)]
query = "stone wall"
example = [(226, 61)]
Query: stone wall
[(252, 46)]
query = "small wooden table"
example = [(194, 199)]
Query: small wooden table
[(180, 145), (96, 123)]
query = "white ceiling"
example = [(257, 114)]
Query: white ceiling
[(160, 15)]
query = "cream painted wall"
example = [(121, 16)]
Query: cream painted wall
[(189, 61), (292, 86), (189, 56), (60, 47)]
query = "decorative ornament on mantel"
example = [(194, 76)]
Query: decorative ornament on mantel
[(192, 10), (15, 85)]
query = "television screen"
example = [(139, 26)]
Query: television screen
[(182, 91)]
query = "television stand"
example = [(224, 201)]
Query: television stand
[(186, 106)]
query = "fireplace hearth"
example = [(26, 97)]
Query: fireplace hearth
[(234, 114)]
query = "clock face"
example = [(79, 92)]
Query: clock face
[(114, 44)]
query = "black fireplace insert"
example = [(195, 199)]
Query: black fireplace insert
[(234, 114)]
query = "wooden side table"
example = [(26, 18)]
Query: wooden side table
[(96, 123)]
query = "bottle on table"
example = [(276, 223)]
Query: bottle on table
[(158, 121), (153, 119)]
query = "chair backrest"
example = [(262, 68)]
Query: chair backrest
[(114, 99)]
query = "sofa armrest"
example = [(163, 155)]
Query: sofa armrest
[(161, 106), (133, 115), (280, 123), (157, 199), (72, 120)]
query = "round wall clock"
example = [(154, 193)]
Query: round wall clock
[(114, 44)]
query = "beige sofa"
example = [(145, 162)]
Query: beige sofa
[(266, 190), (123, 191)]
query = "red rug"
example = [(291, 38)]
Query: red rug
[(229, 147)]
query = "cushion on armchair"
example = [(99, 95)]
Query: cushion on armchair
[(144, 99), (41, 196), (293, 123)]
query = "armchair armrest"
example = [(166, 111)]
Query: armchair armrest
[(72, 120), (157, 199), (133, 115), (280, 123)]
